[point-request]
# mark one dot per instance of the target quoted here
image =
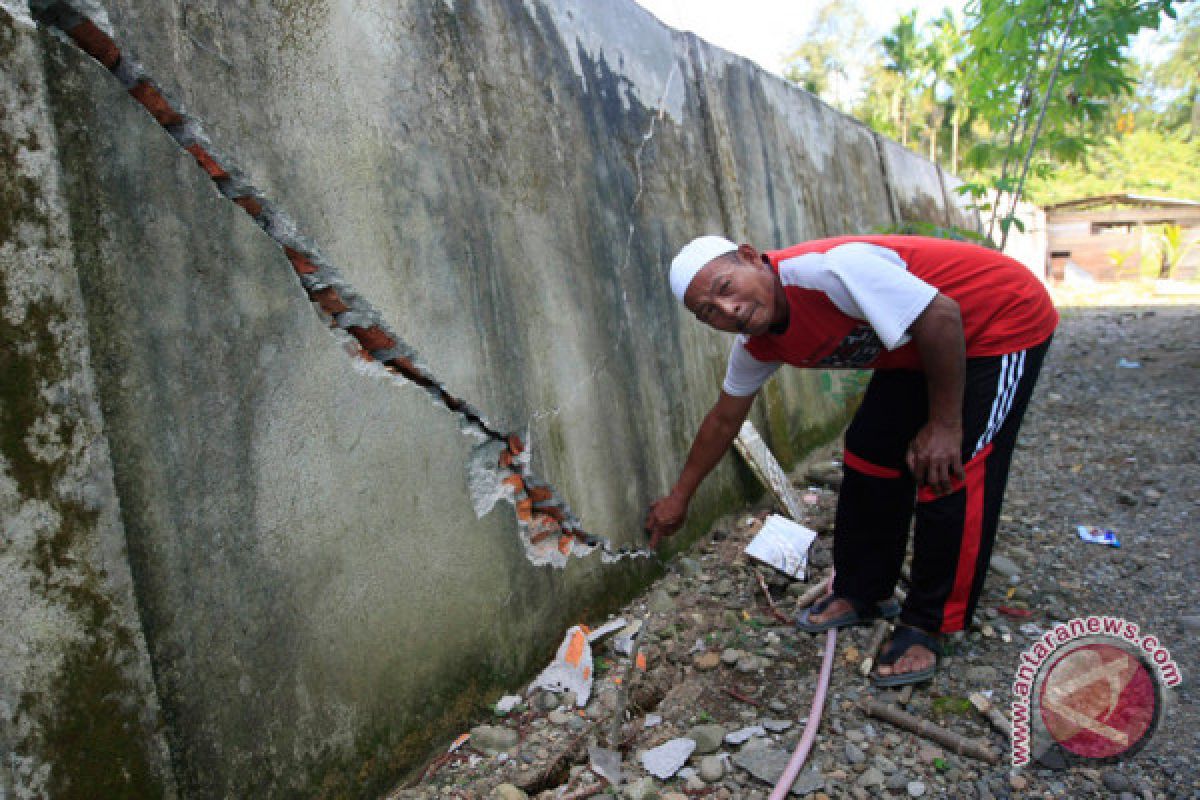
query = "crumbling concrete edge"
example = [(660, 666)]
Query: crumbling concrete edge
[(499, 466)]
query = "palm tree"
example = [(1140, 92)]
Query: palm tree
[(903, 52), (946, 85)]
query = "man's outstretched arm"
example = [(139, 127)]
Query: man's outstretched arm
[(717, 432), (935, 453)]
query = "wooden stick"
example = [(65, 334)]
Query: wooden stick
[(775, 612), (873, 644), (816, 592), (993, 714), (955, 742), (587, 791), (741, 698)]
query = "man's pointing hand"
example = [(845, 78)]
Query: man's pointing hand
[(665, 516)]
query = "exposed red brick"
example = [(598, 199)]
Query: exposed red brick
[(540, 494), (564, 544), (329, 300), (542, 535), (551, 511), (515, 445), (95, 43), (300, 262), (250, 204), (505, 460), (156, 104), (404, 366), (515, 482), (525, 510), (207, 162), (372, 338)]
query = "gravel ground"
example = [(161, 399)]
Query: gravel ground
[(1105, 445)]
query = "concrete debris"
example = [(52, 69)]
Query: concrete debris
[(765, 764), (604, 630), (742, 735), (606, 763), (571, 670), (665, 760), (623, 642)]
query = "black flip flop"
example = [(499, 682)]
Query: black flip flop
[(859, 614), (904, 637)]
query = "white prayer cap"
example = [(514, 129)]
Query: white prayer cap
[(692, 258)]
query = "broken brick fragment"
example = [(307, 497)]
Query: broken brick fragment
[(540, 494), (329, 300), (372, 338), (95, 43), (525, 509), (505, 459), (515, 445), (514, 482), (153, 101), (537, 537), (249, 204), (207, 162), (300, 262), (564, 544), (542, 527)]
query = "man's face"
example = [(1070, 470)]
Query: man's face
[(735, 293)]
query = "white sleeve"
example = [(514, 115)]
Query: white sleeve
[(875, 285), (745, 374)]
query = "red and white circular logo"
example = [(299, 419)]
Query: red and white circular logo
[(1099, 699)]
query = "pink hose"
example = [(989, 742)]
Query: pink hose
[(814, 721)]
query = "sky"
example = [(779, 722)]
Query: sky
[(765, 30)]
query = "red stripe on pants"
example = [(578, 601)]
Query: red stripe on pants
[(955, 610), (859, 464)]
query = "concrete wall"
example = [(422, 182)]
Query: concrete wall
[(283, 534)]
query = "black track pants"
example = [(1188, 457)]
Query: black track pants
[(953, 533)]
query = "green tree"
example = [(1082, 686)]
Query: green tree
[(823, 58), (1045, 77), (904, 56), (1179, 73), (946, 83), (1146, 161)]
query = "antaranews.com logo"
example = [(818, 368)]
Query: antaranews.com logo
[(1093, 687)]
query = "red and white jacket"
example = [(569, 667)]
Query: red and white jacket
[(852, 299)]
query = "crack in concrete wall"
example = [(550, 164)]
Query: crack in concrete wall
[(499, 467)]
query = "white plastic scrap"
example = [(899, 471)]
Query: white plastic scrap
[(783, 544), (571, 669), (665, 760)]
